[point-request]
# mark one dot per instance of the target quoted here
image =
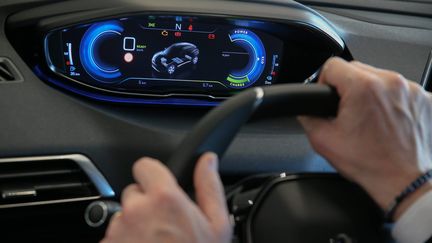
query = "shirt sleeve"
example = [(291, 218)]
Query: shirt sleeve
[(414, 226)]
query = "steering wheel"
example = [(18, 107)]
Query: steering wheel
[(214, 132)]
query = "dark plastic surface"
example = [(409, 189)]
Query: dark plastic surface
[(415, 8), (65, 13), (314, 208)]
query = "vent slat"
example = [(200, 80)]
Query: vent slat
[(36, 173), (60, 186), (8, 72), (5, 74), (52, 180)]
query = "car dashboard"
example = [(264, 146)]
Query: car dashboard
[(178, 58), (88, 87)]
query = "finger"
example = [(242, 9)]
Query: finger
[(339, 74), (114, 228), (318, 132), (116, 216), (387, 74), (151, 175), (366, 67), (130, 191), (378, 71), (209, 192), (313, 124)]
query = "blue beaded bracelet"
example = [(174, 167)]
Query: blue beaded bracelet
[(416, 184)]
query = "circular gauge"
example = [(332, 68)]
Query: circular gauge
[(96, 51), (253, 46)]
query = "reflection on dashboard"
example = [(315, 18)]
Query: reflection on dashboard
[(167, 55)]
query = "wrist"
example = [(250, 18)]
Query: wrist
[(386, 188), (411, 199)]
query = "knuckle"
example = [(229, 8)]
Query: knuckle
[(415, 88), (355, 62), (165, 196), (418, 94), (332, 63), (396, 80), (130, 209), (395, 76), (368, 83)]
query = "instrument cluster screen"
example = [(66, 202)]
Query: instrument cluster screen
[(166, 55)]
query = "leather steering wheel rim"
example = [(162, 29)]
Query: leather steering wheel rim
[(216, 130)]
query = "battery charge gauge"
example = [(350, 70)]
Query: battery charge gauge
[(274, 70)]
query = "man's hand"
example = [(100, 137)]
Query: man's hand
[(155, 209), (381, 137)]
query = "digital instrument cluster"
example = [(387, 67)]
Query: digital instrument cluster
[(161, 55)]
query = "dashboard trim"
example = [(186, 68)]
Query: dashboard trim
[(290, 11), (427, 74)]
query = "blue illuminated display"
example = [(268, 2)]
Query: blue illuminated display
[(91, 60), (251, 43), (162, 59), (124, 100)]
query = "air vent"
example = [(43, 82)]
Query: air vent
[(50, 179), (8, 71)]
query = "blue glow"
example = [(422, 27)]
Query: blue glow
[(125, 100), (249, 23), (91, 62), (250, 42)]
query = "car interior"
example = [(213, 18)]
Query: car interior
[(88, 87)]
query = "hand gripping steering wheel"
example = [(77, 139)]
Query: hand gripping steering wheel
[(216, 130)]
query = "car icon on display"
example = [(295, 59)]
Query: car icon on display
[(175, 57)]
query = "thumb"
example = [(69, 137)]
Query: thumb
[(210, 195), (318, 131), (314, 125)]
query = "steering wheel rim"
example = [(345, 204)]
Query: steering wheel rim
[(216, 130)]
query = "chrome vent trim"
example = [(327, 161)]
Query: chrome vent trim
[(94, 175), (8, 72), (426, 80)]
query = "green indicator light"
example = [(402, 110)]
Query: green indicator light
[(236, 80)]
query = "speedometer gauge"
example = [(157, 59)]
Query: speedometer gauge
[(95, 55)]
